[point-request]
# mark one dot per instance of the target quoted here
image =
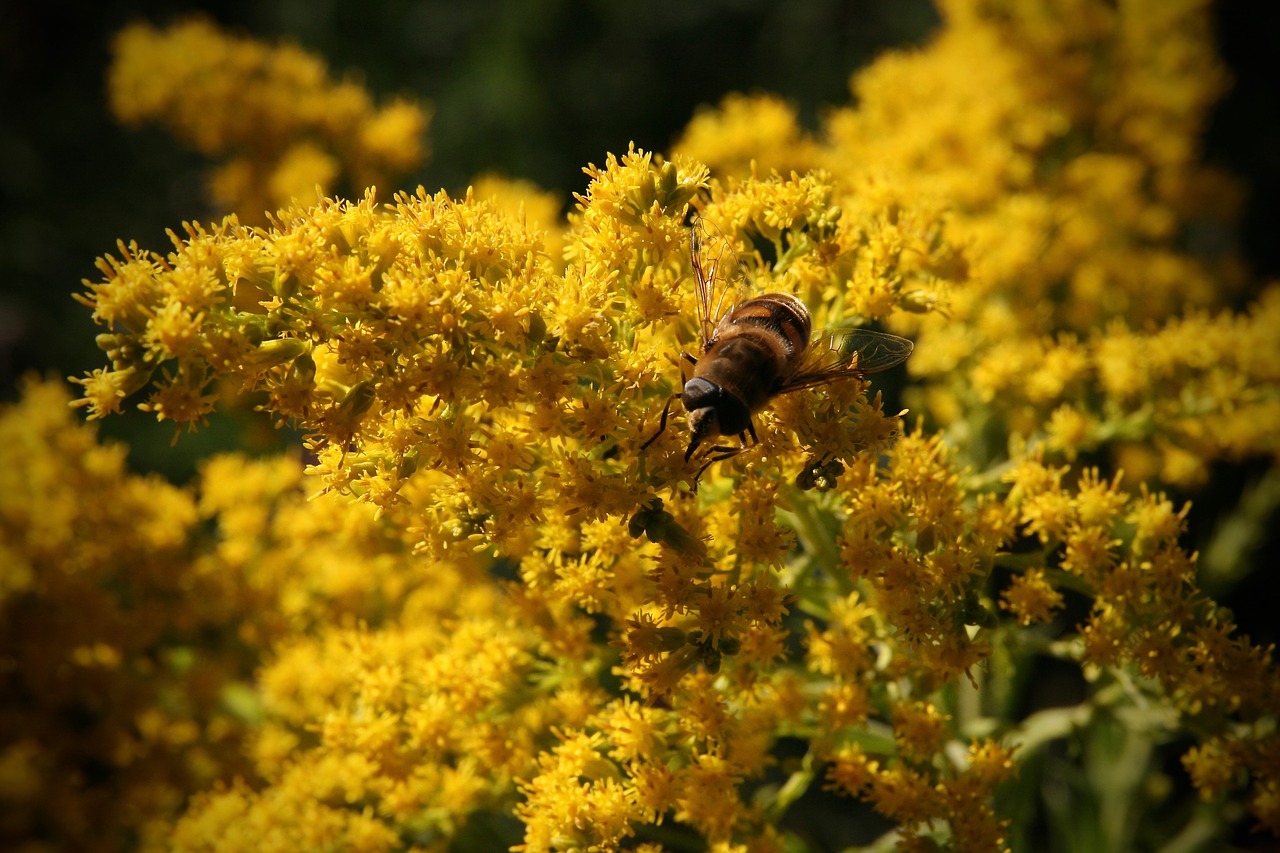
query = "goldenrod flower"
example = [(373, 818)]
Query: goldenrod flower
[(283, 125), (1031, 597)]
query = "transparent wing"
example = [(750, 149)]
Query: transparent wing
[(710, 253), (844, 353)]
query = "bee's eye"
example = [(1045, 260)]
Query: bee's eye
[(699, 393)]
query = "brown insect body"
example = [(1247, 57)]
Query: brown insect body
[(754, 348), (760, 348)]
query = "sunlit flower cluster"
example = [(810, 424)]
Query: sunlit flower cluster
[(501, 609), (272, 115), (1083, 221)]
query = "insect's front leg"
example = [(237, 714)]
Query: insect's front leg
[(666, 410), (662, 423)]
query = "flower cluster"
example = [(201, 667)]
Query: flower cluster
[(1094, 313), (273, 116), (513, 614), (108, 717), (135, 614)]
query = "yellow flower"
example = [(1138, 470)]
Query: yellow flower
[(852, 771), (903, 795), (707, 798), (302, 169), (744, 135), (1031, 597), (1212, 767), (289, 126), (1265, 805), (919, 729), (1069, 431)]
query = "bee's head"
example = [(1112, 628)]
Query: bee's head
[(712, 411), (701, 398), (704, 423)]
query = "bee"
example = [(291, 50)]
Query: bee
[(756, 350)]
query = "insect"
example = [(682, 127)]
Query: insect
[(756, 350)]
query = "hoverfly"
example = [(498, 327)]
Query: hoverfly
[(754, 351)]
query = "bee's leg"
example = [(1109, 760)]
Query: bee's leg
[(751, 428), (698, 476), (718, 453), (721, 452), (692, 361), (662, 424), (666, 410)]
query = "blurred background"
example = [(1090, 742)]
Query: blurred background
[(531, 89)]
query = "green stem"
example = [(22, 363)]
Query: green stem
[(793, 789)]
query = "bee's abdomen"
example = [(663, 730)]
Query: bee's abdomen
[(780, 312)]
